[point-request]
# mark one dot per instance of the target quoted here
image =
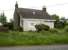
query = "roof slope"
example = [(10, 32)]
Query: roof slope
[(33, 13)]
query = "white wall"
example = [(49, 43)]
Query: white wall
[(29, 24)]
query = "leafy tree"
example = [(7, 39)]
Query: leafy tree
[(55, 17), (64, 21), (61, 23), (3, 18), (62, 18), (9, 24)]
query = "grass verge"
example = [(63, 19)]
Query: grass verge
[(32, 38)]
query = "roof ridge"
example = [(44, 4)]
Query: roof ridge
[(30, 9)]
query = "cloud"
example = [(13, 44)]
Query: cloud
[(59, 7)]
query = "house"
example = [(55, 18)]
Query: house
[(28, 18)]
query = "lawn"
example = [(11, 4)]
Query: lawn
[(33, 38)]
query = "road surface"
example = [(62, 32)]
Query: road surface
[(50, 47)]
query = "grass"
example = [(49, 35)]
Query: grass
[(33, 38)]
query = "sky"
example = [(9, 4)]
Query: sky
[(59, 7)]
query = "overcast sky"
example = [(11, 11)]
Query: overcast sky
[(59, 7)]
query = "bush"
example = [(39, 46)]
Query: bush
[(66, 29), (53, 30), (59, 24), (41, 27), (20, 29), (3, 29), (9, 25)]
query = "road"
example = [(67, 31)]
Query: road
[(50, 47)]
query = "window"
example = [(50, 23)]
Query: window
[(32, 24), (33, 13)]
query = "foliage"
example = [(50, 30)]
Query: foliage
[(3, 18), (55, 17), (32, 38), (60, 24), (41, 27), (9, 25), (20, 29), (4, 29), (66, 29), (64, 20), (54, 30)]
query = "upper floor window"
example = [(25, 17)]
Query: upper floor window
[(33, 13), (32, 24)]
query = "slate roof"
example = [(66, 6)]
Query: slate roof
[(33, 13)]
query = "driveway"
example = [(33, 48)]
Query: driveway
[(50, 47)]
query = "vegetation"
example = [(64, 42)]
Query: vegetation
[(60, 23), (34, 38), (3, 18), (66, 29), (55, 17), (41, 27), (43, 36), (9, 25)]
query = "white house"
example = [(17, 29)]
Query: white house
[(28, 18)]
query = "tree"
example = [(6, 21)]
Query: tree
[(55, 17), (61, 23), (62, 18), (3, 18), (9, 24), (64, 21), (56, 23)]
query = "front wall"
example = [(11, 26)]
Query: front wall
[(29, 24)]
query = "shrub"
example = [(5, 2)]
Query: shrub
[(3, 29), (53, 30), (59, 24), (9, 25), (30, 31), (20, 29), (66, 29), (41, 27)]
